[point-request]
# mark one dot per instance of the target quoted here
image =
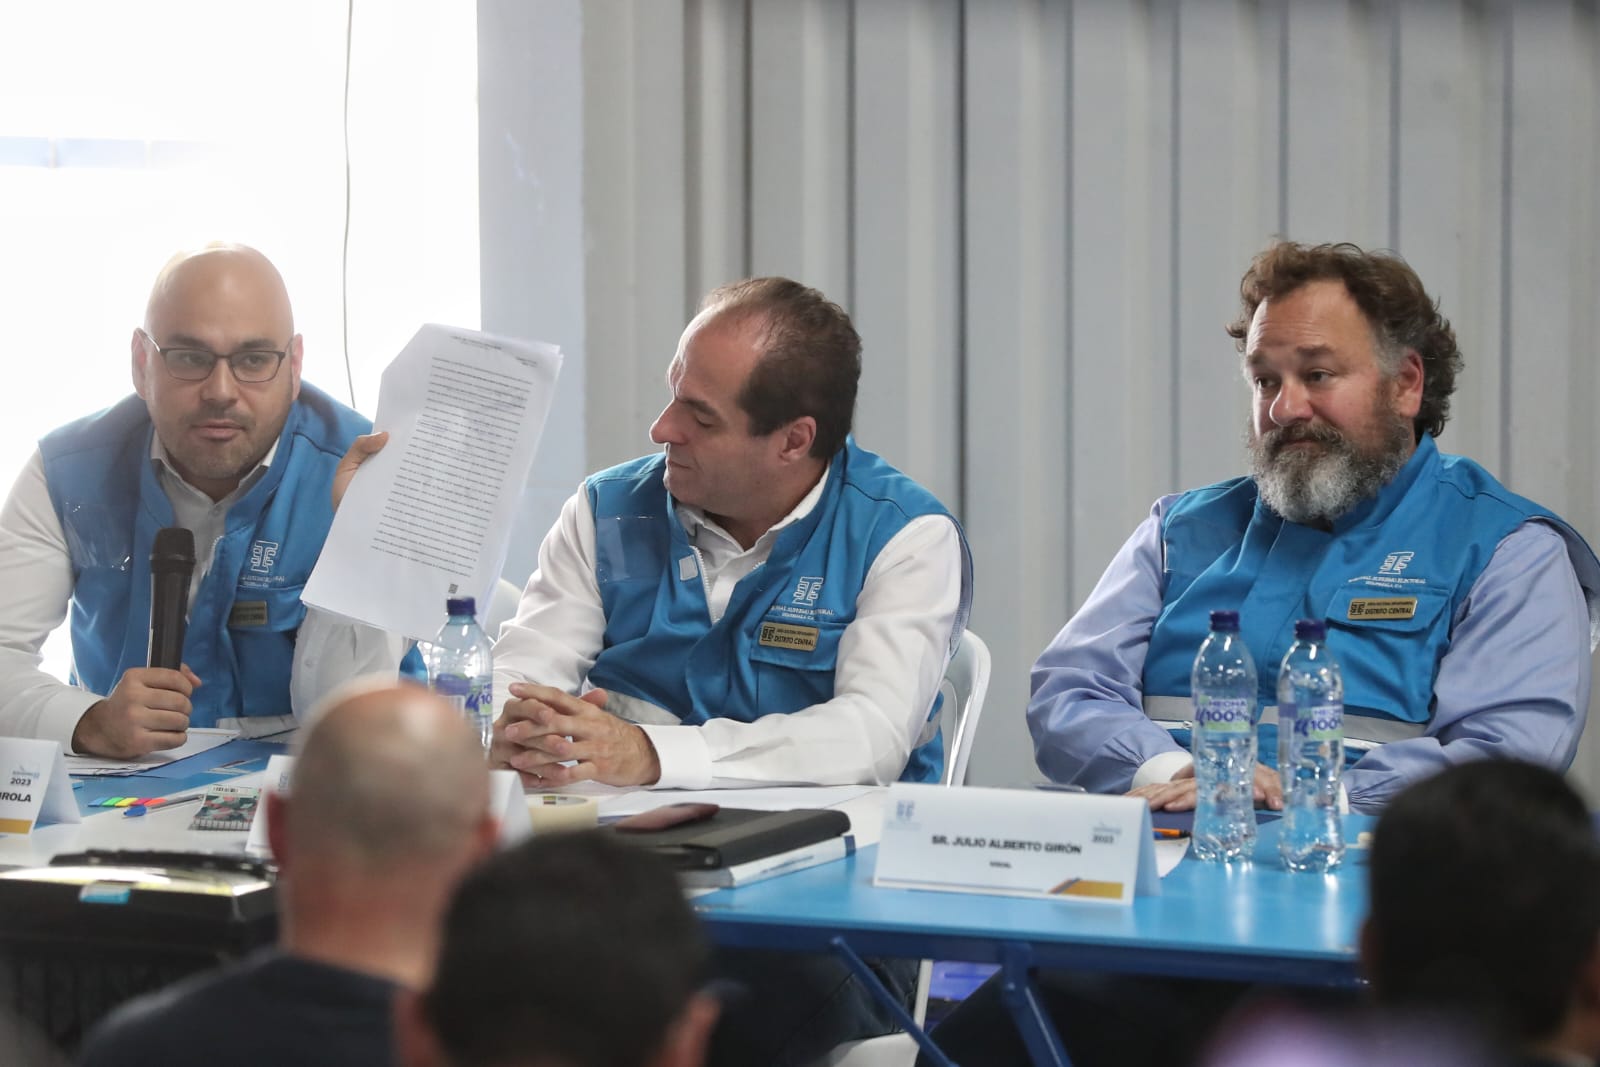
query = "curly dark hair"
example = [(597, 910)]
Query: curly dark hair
[(1402, 315), (810, 357)]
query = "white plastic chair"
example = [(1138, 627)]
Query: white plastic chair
[(966, 682)]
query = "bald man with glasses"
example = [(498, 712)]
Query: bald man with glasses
[(223, 438)]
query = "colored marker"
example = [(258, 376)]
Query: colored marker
[(141, 807)]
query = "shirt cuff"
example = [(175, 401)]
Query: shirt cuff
[(1158, 769), (681, 750), (59, 717)]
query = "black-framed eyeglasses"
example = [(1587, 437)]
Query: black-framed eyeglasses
[(251, 366)]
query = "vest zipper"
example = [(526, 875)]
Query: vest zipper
[(705, 581)]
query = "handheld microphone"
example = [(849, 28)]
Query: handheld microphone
[(171, 565)]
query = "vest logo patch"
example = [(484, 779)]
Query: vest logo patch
[(262, 555), (248, 613), (806, 591), (1395, 562), (1383, 607), (779, 635), (1391, 575)]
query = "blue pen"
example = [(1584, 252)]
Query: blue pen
[(133, 811)]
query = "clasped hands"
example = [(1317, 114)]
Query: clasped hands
[(1179, 794), (542, 729)]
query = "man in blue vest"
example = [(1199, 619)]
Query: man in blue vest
[(761, 602), (221, 438), (1460, 613)]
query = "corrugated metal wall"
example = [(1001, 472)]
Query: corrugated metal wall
[(1038, 213)]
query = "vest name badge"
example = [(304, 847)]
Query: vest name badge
[(248, 613), (779, 635), (1383, 607)]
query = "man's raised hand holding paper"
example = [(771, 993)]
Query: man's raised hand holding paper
[(431, 516)]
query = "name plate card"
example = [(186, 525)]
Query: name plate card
[(1019, 842), (278, 778), (507, 805), (34, 789)]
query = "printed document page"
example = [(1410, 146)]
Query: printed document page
[(198, 740), (430, 516)]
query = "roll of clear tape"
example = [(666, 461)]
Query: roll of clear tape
[(558, 811)]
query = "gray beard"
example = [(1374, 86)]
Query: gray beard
[(1313, 488)]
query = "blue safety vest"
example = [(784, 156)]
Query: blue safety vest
[(242, 625), (775, 648), (1388, 580)]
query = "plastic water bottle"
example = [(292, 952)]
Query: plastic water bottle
[(461, 667), (1310, 751), (1223, 685)]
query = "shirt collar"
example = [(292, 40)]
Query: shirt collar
[(694, 520)]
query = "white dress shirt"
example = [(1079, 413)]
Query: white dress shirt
[(891, 658), (36, 588)]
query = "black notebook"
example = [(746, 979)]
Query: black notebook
[(739, 835)]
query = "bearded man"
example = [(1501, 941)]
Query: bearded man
[(1462, 615)]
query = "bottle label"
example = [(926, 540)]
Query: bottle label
[(472, 697), (480, 698), (1321, 722), (1223, 714)]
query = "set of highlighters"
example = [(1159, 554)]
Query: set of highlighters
[(1310, 747)]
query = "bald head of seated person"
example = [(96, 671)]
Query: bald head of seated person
[(220, 437), (569, 950), (761, 601), (1460, 613), (1485, 912), (387, 809)]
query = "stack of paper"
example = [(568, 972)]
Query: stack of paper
[(430, 516)]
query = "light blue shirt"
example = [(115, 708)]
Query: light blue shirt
[(1513, 683)]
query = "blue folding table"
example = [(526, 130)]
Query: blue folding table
[(1250, 922), (223, 763)]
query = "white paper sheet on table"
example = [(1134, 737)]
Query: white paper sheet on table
[(430, 516), (199, 740), (1169, 854)]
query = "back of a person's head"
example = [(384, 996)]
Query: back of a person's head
[(571, 949), (1485, 904), (388, 777)]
